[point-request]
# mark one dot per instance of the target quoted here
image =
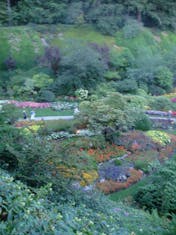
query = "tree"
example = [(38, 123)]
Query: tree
[(112, 111), (51, 59), (164, 78), (9, 10), (82, 67)]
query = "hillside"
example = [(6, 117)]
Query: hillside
[(87, 117)]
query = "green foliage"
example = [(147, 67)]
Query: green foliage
[(81, 94), (143, 122), (23, 44), (40, 12), (112, 75), (9, 114), (56, 126), (127, 86), (23, 211), (33, 162), (46, 95), (164, 78), (121, 58), (75, 14), (111, 111), (131, 29), (107, 17), (160, 103), (82, 68), (41, 80), (139, 101), (159, 137), (160, 193), (10, 138)]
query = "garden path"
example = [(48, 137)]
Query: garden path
[(52, 118)]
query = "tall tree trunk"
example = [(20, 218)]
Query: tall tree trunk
[(9, 12), (139, 17)]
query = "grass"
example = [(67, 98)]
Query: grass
[(125, 194), (47, 112), (58, 125), (85, 33)]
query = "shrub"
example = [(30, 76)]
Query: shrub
[(56, 126), (46, 96), (127, 86), (131, 29), (82, 67), (160, 193), (26, 212), (9, 114), (164, 78), (143, 123), (81, 94), (160, 103)]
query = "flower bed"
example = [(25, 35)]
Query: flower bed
[(28, 123), (111, 151), (30, 104), (136, 141), (173, 99), (64, 134), (58, 106), (110, 186)]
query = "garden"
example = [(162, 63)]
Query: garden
[(87, 118)]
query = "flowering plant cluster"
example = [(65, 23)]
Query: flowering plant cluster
[(67, 98), (110, 186), (63, 105), (173, 113), (28, 123), (136, 141), (159, 137), (173, 100), (84, 177), (30, 104), (64, 134), (88, 177), (82, 94), (111, 151), (31, 129)]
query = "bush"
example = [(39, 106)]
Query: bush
[(46, 96), (131, 29), (127, 86), (82, 67), (160, 103), (10, 139), (143, 122), (56, 126), (25, 212), (9, 114), (160, 193), (164, 78)]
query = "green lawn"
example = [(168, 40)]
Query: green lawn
[(47, 112), (85, 33)]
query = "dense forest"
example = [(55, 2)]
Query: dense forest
[(87, 117), (107, 16)]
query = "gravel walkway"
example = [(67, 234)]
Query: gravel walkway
[(48, 118)]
